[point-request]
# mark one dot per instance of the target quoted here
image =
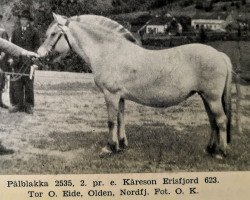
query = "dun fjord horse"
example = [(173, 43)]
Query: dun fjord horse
[(159, 78)]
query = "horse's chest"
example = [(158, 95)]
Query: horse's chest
[(107, 80)]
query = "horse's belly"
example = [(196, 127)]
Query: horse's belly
[(158, 99)]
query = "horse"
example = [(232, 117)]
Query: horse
[(124, 70)]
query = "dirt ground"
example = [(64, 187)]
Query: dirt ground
[(69, 128)]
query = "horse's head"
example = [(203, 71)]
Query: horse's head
[(56, 44)]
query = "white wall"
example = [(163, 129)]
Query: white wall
[(208, 24), (158, 28)]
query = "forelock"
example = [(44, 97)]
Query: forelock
[(51, 27)]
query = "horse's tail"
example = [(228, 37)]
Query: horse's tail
[(226, 98)]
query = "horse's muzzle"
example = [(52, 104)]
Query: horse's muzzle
[(42, 52), (48, 55)]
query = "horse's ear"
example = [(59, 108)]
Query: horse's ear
[(54, 16), (59, 19)]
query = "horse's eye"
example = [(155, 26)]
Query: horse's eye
[(53, 34)]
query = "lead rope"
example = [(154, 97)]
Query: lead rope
[(14, 76), (17, 76)]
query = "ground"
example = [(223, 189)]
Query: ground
[(69, 128)]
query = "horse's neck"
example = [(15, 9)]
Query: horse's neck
[(93, 47), (78, 46)]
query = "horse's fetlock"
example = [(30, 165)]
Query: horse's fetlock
[(123, 143), (210, 149), (113, 146), (111, 124), (222, 126)]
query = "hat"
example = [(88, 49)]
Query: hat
[(26, 14)]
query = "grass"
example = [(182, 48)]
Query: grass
[(69, 128)]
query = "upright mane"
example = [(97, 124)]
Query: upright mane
[(109, 25)]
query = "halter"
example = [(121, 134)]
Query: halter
[(62, 34)]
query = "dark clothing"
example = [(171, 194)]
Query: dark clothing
[(29, 40), (22, 89), (3, 62), (2, 81), (23, 92)]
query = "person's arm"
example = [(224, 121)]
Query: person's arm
[(15, 50)]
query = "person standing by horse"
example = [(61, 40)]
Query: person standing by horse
[(3, 63), (13, 50), (22, 89)]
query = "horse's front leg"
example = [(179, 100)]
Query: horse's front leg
[(123, 142), (112, 102)]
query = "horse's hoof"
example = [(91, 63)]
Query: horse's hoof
[(210, 149), (215, 152), (113, 147), (108, 150), (105, 152), (220, 154)]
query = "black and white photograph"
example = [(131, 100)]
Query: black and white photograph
[(124, 86)]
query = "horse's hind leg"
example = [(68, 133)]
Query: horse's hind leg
[(112, 102), (213, 142), (123, 142), (218, 113)]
